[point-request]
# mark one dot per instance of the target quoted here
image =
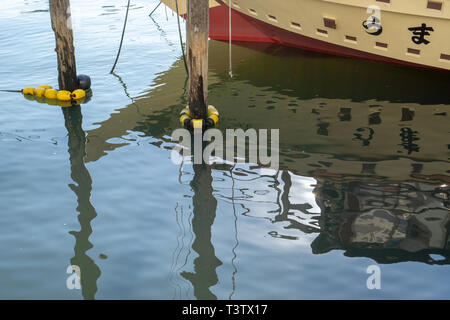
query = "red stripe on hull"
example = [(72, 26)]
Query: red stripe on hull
[(246, 28)]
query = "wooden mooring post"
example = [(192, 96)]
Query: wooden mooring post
[(62, 27), (197, 34)]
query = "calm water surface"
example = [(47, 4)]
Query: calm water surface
[(364, 155)]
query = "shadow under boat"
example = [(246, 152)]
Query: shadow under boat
[(369, 133)]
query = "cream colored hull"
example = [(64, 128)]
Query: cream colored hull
[(340, 23)]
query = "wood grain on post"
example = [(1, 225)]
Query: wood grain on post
[(62, 27), (197, 43)]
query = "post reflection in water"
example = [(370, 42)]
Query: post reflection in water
[(204, 207), (89, 271)]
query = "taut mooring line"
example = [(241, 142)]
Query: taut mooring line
[(15, 91), (229, 42), (155, 9), (121, 40)]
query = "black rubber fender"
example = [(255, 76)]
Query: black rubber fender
[(84, 82)]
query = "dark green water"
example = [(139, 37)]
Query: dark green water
[(363, 179)]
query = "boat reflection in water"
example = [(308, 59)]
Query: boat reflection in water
[(364, 166), (387, 221)]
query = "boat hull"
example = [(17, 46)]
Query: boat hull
[(249, 29), (403, 32)]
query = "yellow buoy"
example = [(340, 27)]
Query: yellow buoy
[(78, 94), (64, 95), (197, 123), (45, 86), (211, 120), (46, 94), (183, 118), (213, 111), (39, 92), (51, 93), (214, 118), (28, 90)]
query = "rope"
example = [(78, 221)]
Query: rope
[(229, 36), (121, 40), (181, 39), (15, 91), (154, 9)]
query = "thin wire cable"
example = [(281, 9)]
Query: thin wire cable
[(155, 9), (229, 36), (121, 40)]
